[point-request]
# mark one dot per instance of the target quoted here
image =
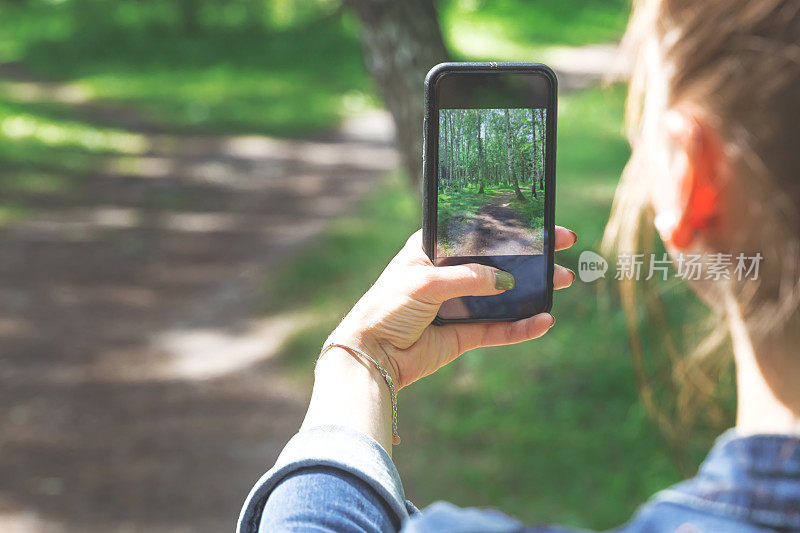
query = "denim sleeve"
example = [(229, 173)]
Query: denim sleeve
[(338, 447), (325, 499)]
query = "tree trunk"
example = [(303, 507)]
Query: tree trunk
[(451, 165), (457, 144), (481, 171), (542, 155), (534, 168), (402, 41), (442, 164), (509, 162), (463, 152)]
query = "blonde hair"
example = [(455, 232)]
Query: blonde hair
[(738, 63)]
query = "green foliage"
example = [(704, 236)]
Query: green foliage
[(491, 146)]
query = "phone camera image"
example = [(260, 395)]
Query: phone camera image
[(491, 194)]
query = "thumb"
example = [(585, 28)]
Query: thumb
[(449, 282)]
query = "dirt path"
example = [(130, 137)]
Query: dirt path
[(136, 382), (497, 230)]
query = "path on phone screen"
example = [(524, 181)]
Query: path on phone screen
[(136, 383), (136, 377), (496, 229)]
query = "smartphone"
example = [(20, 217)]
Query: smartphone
[(489, 181)]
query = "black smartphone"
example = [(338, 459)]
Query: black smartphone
[(489, 181)]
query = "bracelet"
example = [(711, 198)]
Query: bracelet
[(386, 377)]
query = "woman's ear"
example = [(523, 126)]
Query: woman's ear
[(696, 167)]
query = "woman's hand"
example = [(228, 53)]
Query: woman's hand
[(392, 321)]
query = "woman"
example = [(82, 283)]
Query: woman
[(715, 109)]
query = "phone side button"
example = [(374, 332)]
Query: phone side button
[(424, 141)]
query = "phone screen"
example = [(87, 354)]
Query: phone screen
[(490, 190), (493, 176)]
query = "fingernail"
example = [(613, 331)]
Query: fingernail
[(503, 280), (573, 276), (574, 236), (552, 321)]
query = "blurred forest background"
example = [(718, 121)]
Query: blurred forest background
[(193, 192)]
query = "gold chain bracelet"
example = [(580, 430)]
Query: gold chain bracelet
[(386, 377)]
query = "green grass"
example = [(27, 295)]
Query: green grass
[(551, 430), (283, 80), (456, 207), (519, 31), (531, 209)]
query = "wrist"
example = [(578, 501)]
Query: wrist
[(340, 363), (367, 343)]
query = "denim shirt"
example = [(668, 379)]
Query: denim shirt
[(332, 478)]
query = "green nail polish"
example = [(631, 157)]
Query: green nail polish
[(503, 280)]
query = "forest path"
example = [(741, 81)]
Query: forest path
[(496, 229), (136, 379)]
